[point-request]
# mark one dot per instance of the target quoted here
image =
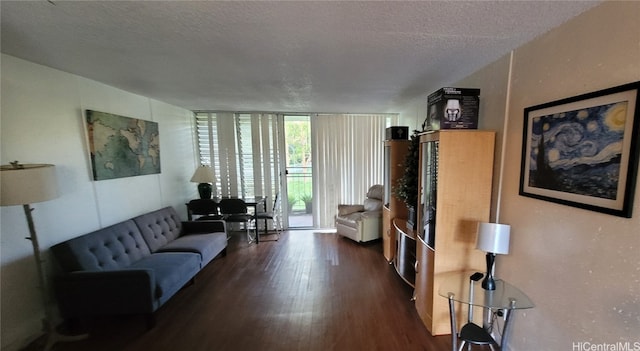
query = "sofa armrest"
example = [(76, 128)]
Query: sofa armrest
[(107, 292), (372, 214), (203, 227), (344, 210)]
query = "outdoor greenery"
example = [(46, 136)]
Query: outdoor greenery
[(298, 139), (291, 200), (299, 189)]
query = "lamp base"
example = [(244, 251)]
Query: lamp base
[(51, 334), (488, 283), (205, 189)]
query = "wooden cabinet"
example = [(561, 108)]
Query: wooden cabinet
[(388, 235), (456, 170), (405, 260), (424, 282), (394, 154)]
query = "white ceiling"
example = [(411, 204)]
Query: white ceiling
[(297, 56)]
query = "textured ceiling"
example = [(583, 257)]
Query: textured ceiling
[(300, 56)]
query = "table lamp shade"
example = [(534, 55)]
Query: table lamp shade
[(493, 238), (27, 184), (203, 174)]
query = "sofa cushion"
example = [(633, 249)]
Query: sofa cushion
[(172, 270), (159, 227), (350, 220), (208, 246), (109, 248)]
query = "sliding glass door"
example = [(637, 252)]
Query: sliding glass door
[(298, 171)]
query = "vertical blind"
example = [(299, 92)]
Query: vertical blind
[(244, 151), (348, 157)]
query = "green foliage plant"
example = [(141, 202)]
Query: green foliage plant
[(306, 198), (406, 188), (291, 200)]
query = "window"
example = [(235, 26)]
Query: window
[(242, 149)]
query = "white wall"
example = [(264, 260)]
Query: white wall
[(493, 81), (581, 268), (42, 122)]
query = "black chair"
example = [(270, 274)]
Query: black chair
[(202, 209), (236, 211), (273, 215)]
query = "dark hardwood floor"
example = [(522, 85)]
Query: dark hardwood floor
[(307, 291)]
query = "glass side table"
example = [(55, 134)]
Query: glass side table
[(465, 287)]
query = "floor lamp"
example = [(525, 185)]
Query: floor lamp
[(24, 185)]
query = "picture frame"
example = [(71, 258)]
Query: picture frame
[(583, 151), (121, 146)]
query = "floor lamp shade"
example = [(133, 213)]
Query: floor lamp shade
[(27, 184)]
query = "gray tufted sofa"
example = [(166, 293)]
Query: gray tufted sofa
[(135, 266)]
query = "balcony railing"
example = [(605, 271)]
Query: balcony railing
[(299, 189)]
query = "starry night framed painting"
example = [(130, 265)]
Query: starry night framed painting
[(582, 151)]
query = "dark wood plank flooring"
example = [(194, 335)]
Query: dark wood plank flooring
[(307, 291)]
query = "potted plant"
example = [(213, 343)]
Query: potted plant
[(307, 199), (291, 200), (406, 188)]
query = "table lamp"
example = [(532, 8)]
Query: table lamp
[(204, 176), (493, 238)]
